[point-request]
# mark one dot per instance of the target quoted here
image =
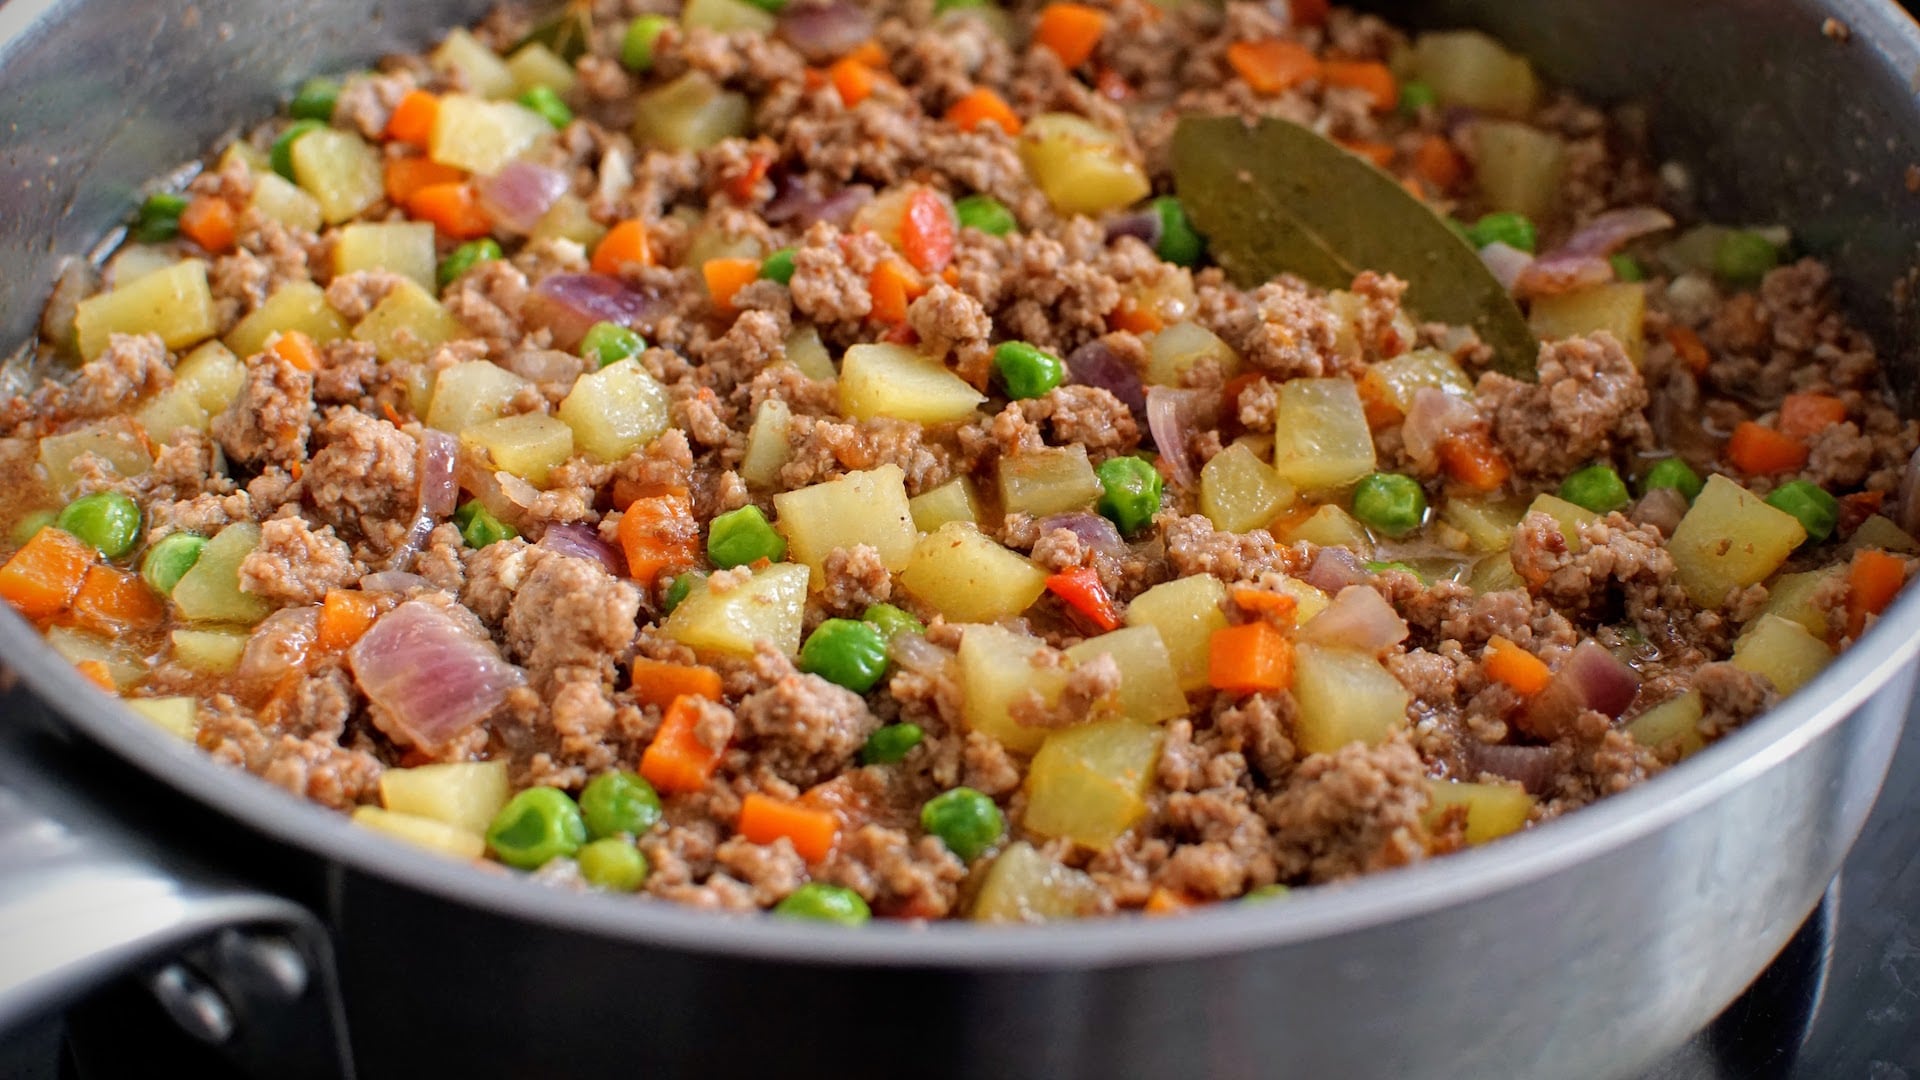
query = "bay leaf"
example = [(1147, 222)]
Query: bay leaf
[(1274, 197)]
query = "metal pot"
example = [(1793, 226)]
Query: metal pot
[(1585, 948)]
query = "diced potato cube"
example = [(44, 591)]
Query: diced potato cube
[(1519, 167), (1571, 517), (135, 261), (479, 67), (1488, 524), (1089, 783), (404, 247), (859, 508), (1620, 309), (1321, 441), (1674, 723), (471, 393), (1493, 810), (896, 381), (1186, 612), (768, 449), (1149, 689), (340, 171), (174, 303), (246, 154), (1330, 526), (1730, 539), (483, 137), (1174, 351), (727, 16), (1344, 697), (951, 501), (169, 413), (1024, 886), (769, 608), (690, 113), (113, 441), (213, 374), (422, 832), (464, 794), (1470, 69), (1240, 493), (1783, 651), (997, 669), (569, 219), (1878, 533), (1049, 480), (1495, 573), (1791, 596), (529, 445), (210, 650), (1307, 600), (278, 198), (807, 352), (408, 325), (1398, 380), (968, 577), (721, 240), (124, 665), (177, 716), (536, 65), (1081, 167), (616, 410), (297, 305), (210, 591)]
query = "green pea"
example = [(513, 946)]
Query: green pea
[(1505, 227), (1387, 567), (108, 520), (619, 802), (985, 213), (159, 219), (30, 526), (1627, 268), (743, 536), (613, 864), (1743, 258), (282, 153), (315, 100), (609, 343), (778, 266), (680, 588), (636, 48), (820, 902), (543, 100), (1416, 95), (1129, 492), (478, 527), (1597, 488), (1390, 503), (1275, 891), (1818, 511), (773, 6), (891, 620), (846, 653), (1179, 243), (466, 257), (537, 825), (965, 820), (1027, 371), (941, 7), (169, 560), (1677, 474), (890, 744)]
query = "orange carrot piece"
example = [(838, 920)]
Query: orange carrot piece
[(927, 232), (413, 119), (1070, 31), (1872, 582), (1251, 658), (97, 673), (1165, 901), (1136, 320), (1381, 411), (1439, 164), (676, 761), (983, 106), (893, 286), (452, 208), (405, 175), (1381, 154), (741, 187), (871, 54), (1807, 415), (114, 601), (208, 221), (625, 244), (296, 348), (725, 277), (1273, 66), (658, 532), (1471, 458), (657, 682), (44, 575), (1383, 91), (1308, 12), (812, 832), (1508, 663), (1080, 587), (1690, 348), (1762, 451), (814, 79), (852, 79), (1110, 84), (345, 614), (1267, 604)]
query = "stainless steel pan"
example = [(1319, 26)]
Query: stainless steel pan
[(1585, 948)]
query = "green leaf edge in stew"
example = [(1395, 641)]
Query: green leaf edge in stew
[(565, 31), (1274, 197)]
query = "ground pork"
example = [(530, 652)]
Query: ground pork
[(271, 418), (1587, 406), (802, 728), (296, 563)]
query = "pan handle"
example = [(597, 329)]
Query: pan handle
[(84, 899)]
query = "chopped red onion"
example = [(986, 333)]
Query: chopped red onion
[(796, 204), (1099, 364), (1661, 508), (570, 304), (1581, 262), (1553, 275), (545, 365), (1434, 415), (518, 196), (1506, 262), (1603, 681), (824, 32), (1535, 767), (914, 653), (438, 489), (1142, 225), (1172, 417), (394, 581), (278, 646), (1334, 569), (431, 677), (1095, 532), (1358, 618), (583, 541)]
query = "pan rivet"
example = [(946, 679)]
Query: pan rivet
[(193, 1004)]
